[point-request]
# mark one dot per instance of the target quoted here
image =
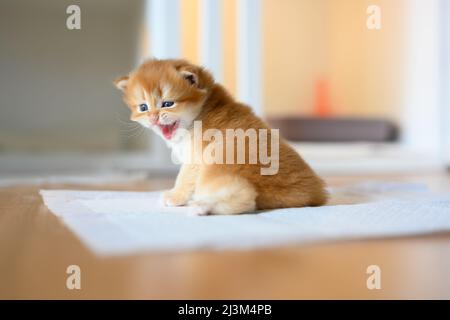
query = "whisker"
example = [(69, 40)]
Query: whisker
[(129, 129), (135, 134), (126, 120)]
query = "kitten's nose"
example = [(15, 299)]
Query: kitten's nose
[(153, 118)]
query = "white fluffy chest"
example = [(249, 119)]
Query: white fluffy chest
[(181, 147)]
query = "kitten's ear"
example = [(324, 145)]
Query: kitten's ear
[(191, 77), (121, 82), (196, 76)]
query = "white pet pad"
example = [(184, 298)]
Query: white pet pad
[(117, 223)]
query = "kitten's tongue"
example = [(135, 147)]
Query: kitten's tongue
[(168, 130)]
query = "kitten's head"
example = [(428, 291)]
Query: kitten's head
[(165, 95)]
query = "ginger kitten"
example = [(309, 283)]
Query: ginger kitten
[(171, 97)]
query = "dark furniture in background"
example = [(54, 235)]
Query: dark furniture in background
[(310, 129)]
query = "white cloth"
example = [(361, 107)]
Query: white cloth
[(121, 223)]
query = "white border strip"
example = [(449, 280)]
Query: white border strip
[(249, 53), (211, 37), (163, 20), (422, 114), (445, 79)]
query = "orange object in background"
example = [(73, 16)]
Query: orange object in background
[(322, 104)]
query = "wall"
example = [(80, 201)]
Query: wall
[(56, 89), (306, 42), (295, 53), (309, 40)]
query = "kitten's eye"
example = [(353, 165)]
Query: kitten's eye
[(143, 107), (167, 104)]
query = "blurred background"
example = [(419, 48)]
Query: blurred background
[(354, 96)]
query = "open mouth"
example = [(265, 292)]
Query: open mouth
[(168, 129)]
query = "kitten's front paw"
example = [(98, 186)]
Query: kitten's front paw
[(173, 198)]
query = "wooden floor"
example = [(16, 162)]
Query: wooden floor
[(36, 248)]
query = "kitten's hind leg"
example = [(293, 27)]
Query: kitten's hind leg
[(223, 194)]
